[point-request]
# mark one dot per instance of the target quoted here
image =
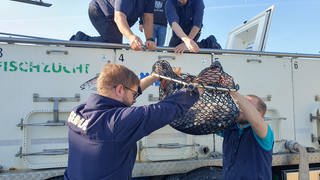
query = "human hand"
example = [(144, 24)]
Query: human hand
[(180, 48), (177, 70), (200, 90), (151, 45), (191, 45), (195, 87), (237, 98), (140, 27), (200, 87), (135, 43), (235, 95)]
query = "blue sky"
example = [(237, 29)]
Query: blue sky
[(294, 28)]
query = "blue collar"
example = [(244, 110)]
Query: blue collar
[(241, 129)]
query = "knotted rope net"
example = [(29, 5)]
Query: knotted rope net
[(214, 111)]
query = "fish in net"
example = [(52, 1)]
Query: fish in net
[(214, 111)]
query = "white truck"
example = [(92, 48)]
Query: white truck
[(42, 80)]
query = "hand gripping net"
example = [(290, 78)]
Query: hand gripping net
[(214, 111)]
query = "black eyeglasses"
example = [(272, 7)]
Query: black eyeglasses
[(135, 93)]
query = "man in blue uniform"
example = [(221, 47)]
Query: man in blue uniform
[(160, 22), (104, 130), (113, 19), (185, 18), (247, 146)]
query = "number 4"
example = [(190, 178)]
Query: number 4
[(121, 58)]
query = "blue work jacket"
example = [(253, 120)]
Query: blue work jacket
[(103, 133)]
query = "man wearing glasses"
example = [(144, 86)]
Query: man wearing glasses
[(104, 130)]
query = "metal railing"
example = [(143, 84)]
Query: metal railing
[(86, 44)]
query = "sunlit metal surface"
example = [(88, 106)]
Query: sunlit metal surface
[(38, 3)]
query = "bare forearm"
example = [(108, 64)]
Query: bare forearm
[(147, 81), (188, 43), (148, 25), (194, 31), (123, 26), (179, 31)]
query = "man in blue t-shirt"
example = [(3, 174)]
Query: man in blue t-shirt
[(185, 18), (160, 22), (104, 130), (247, 146), (113, 19)]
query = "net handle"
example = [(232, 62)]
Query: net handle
[(192, 86)]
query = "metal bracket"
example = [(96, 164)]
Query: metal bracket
[(213, 59), (317, 98), (57, 52), (44, 152), (316, 117), (254, 60), (166, 58), (48, 123), (56, 100), (315, 138), (267, 98), (37, 98)]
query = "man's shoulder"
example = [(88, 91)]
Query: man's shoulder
[(267, 142)]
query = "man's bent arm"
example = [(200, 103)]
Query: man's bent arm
[(148, 25), (179, 32), (122, 23), (188, 42), (194, 31), (147, 81), (255, 119)]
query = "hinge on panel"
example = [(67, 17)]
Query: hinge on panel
[(315, 139), (213, 58), (316, 117), (267, 98), (43, 152)]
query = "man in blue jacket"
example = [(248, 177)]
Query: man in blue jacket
[(247, 146), (185, 18), (104, 130), (113, 19)]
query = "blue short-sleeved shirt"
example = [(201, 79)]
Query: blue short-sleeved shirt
[(266, 143), (243, 150), (133, 9)]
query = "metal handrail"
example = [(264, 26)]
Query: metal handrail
[(38, 3), (87, 44)]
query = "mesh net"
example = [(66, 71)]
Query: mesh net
[(214, 111)]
